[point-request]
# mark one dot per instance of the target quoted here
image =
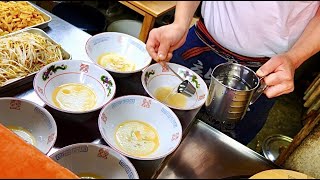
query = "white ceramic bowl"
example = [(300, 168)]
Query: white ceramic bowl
[(29, 121), (95, 161), (155, 76), (74, 71), (147, 110), (131, 48)]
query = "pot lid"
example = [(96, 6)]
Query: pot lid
[(274, 144)]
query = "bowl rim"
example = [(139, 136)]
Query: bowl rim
[(177, 108), (67, 111), (48, 114), (122, 157), (104, 137), (115, 71)]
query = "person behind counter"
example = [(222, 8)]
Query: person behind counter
[(272, 38)]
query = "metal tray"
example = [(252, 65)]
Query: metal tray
[(27, 79), (47, 18)]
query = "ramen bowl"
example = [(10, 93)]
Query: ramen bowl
[(140, 127), (161, 84), (74, 86), (95, 161), (119, 53), (31, 122)]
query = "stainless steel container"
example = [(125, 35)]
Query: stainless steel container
[(47, 19), (13, 83), (233, 88)]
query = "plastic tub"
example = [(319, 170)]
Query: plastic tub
[(127, 26)]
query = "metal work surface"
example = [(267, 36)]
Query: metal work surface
[(207, 153), (204, 153)]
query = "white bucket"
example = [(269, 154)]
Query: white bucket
[(127, 26)]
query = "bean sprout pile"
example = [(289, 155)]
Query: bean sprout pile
[(24, 54)]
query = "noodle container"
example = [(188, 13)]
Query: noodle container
[(13, 83), (146, 110), (47, 19), (127, 46)]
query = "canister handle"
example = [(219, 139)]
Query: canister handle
[(259, 90)]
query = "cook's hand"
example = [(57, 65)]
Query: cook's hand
[(164, 40), (279, 72)]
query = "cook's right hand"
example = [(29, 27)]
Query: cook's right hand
[(164, 40)]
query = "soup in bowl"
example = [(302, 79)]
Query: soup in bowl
[(74, 86), (140, 127), (161, 84), (30, 121), (118, 53)]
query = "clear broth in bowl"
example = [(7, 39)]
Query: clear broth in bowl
[(23, 133), (74, 97), (165, 95)]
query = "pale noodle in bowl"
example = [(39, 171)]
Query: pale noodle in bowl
[(116, 62), (74, 87), (118, 53), (140, 127)]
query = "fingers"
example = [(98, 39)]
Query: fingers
[(279, 76), (164, 40), (163, 50), (158, 48), (278, 83), (280, 89), (268, 67), (272, 79), (163, 62), (169, 56), (152, 47)]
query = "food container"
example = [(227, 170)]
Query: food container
[(140, 127), (131, 49), (39, 130), (13, 83), (47, 18), (274, 144)]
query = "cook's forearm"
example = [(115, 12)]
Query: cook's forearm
[(184, 12), (309, 42)]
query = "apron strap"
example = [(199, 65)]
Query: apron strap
[(212, 45)]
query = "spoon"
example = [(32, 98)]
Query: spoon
[(185, 87)]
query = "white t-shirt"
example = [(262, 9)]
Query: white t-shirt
[(257, 28)]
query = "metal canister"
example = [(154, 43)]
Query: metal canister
[(233, 88)]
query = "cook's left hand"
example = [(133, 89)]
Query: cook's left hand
[(279, 75)]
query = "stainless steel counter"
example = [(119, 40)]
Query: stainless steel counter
[(207, 153), (204, 152)]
